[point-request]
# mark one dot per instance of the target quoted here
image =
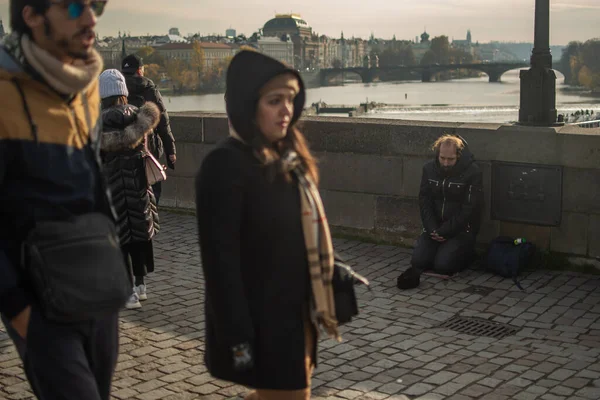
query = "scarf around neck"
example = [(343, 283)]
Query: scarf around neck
[(319, 246), (66, 79), (317, 239)]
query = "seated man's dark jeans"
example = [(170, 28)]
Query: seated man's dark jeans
[(447, 258)]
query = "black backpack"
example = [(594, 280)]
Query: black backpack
[(507, 257)]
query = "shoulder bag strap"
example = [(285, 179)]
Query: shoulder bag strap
[(32, 124)]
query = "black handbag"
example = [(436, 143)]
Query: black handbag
[(76, 267), (343, 281)]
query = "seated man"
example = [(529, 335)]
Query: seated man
[(450, 200)]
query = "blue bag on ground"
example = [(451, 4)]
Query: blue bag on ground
[(507, 257)]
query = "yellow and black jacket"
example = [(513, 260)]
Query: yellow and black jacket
[(48, 165)]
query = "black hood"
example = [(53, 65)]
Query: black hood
[(248, 72), (466, 159), (137, 84)]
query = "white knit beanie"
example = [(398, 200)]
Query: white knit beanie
[(112, 83)]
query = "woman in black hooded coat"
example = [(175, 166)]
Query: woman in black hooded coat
[(261, 328)]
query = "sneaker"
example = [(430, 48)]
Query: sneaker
[(141, 292), (133, 302)]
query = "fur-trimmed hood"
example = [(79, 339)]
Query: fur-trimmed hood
[(125, 126)]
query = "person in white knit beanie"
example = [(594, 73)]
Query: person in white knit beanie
[(124, 131), (112, 83)]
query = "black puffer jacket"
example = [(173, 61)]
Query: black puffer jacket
[(452, 202), (141, 90), (124, 129)]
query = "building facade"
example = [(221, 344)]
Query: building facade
[(111, 53), (422, 47), (280, 49), (465, 45), (214, 53), (306, 46)]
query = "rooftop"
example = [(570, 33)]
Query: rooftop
[(286, 21), (187, 46)]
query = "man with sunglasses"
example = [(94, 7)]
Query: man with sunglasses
[(49, 114)]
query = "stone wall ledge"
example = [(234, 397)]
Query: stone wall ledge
[(371, 171)]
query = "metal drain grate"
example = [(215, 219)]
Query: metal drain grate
[(479, 327), (480, 290)]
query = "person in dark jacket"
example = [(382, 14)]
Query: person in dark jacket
[(141, 90), (124, 131), (450, 201), (265, 244), (49, 129)]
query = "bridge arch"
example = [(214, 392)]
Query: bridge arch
[(493, 71), (328, 74)]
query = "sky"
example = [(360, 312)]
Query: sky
[(501, 20)]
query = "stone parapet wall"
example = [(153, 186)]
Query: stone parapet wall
[(371, 171)]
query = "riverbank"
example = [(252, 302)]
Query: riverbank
[(582, 91)]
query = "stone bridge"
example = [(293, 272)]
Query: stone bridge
[(493, 70)]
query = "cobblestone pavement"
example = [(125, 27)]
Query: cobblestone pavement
[(396, 349)]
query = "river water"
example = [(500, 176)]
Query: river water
[(464, 100)]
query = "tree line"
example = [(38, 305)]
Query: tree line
[(580, 63), (182, 75), (440, 52)]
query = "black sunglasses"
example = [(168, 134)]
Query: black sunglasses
[(76, 7)]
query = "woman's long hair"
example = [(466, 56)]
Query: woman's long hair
[(270, 153), (112, 101)]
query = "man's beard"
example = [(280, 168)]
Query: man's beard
[(64, 44), (446, 170)]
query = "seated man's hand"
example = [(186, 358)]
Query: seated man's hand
[(437, 237)]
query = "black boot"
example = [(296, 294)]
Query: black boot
[(409, 279)]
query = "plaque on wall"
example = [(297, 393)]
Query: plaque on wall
[(527, 193)]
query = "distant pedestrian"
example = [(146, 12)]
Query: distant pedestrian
[(141, 90), (125, 130)]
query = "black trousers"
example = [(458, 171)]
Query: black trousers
[(157, 189), (69, 361), (139, 257), (447, 258)]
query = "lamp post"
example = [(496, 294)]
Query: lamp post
[(538, 83)]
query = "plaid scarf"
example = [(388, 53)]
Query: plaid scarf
[(318, 246)]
